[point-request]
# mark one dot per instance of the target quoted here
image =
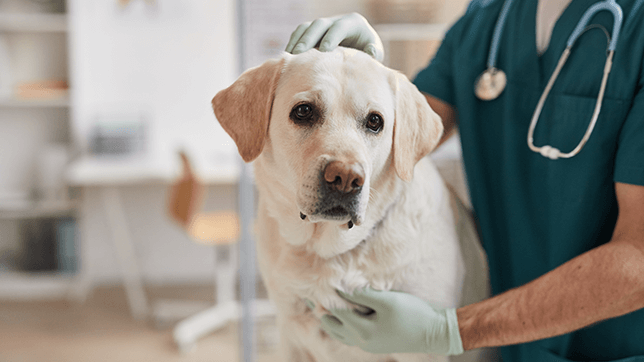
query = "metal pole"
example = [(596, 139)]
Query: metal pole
[(246, 205), (247, 264)]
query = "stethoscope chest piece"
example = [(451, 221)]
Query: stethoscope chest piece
[(490, 84)]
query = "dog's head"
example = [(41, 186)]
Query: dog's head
[(331, 125)]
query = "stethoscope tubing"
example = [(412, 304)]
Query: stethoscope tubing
[(552, 152), (498, 32), (618, 15), (609, 5)]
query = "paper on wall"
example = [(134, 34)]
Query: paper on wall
[(268, 25)]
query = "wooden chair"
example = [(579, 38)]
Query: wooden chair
[(220, 229)]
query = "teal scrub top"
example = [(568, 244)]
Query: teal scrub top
[(534, 213)]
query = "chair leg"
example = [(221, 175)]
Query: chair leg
[(188, 331), (227, 307), (226, 272)]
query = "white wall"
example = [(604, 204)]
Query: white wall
[(167, 62)]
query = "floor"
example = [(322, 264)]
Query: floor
[(101, 330)]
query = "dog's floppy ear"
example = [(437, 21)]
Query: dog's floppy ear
[(244, 108), (417, 128)]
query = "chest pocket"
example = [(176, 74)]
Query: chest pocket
[(562, 124)]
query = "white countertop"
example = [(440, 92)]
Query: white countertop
[(90, 170)]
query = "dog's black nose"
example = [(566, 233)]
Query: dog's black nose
[(344, 177)]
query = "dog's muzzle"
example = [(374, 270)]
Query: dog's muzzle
[(340, 184)]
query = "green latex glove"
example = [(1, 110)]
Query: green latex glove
[(350, 30), (395, 323)]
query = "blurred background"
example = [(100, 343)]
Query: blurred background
[(97, 97)]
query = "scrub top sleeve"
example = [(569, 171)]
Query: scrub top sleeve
[(437, 78), (629, 161)]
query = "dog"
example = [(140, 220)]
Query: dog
[(346, 197)]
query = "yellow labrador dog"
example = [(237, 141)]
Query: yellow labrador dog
[(346, 197)]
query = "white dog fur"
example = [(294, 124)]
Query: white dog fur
[(397, 233)]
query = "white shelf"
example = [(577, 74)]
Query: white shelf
[(393, 32), (38, 22), (60, 102), (37, 209), (34, 285), (38, 58)]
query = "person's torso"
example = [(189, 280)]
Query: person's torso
[(535, 213)]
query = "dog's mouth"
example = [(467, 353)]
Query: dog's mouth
[(334, 213), (320, 201)]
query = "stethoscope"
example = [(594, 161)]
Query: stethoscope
[(491, 83)]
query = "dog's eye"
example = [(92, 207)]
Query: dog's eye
[(302, 113), (374, 122)]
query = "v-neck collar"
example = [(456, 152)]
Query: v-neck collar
[(535, 68), (546, 17), (563, 28)]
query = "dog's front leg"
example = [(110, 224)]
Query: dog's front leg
[(291, 346), (293, 353)]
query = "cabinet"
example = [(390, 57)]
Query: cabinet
[(37, 217), (412, 30), (409, 47)]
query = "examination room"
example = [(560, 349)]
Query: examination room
[(321, 180)]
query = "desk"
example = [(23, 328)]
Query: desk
[(128, 170), (109, 173)]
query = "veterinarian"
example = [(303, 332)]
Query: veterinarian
[(563, 230)]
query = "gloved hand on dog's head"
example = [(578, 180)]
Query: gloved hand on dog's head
[(349, 30)]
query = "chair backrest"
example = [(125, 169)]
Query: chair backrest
[(184, 206), (186, 195)]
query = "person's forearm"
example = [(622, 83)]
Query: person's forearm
[(603, 283), (448, 117)]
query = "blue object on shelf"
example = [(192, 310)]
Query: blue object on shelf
[(67, 256)]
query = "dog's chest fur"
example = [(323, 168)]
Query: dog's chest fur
[(407, 244)]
